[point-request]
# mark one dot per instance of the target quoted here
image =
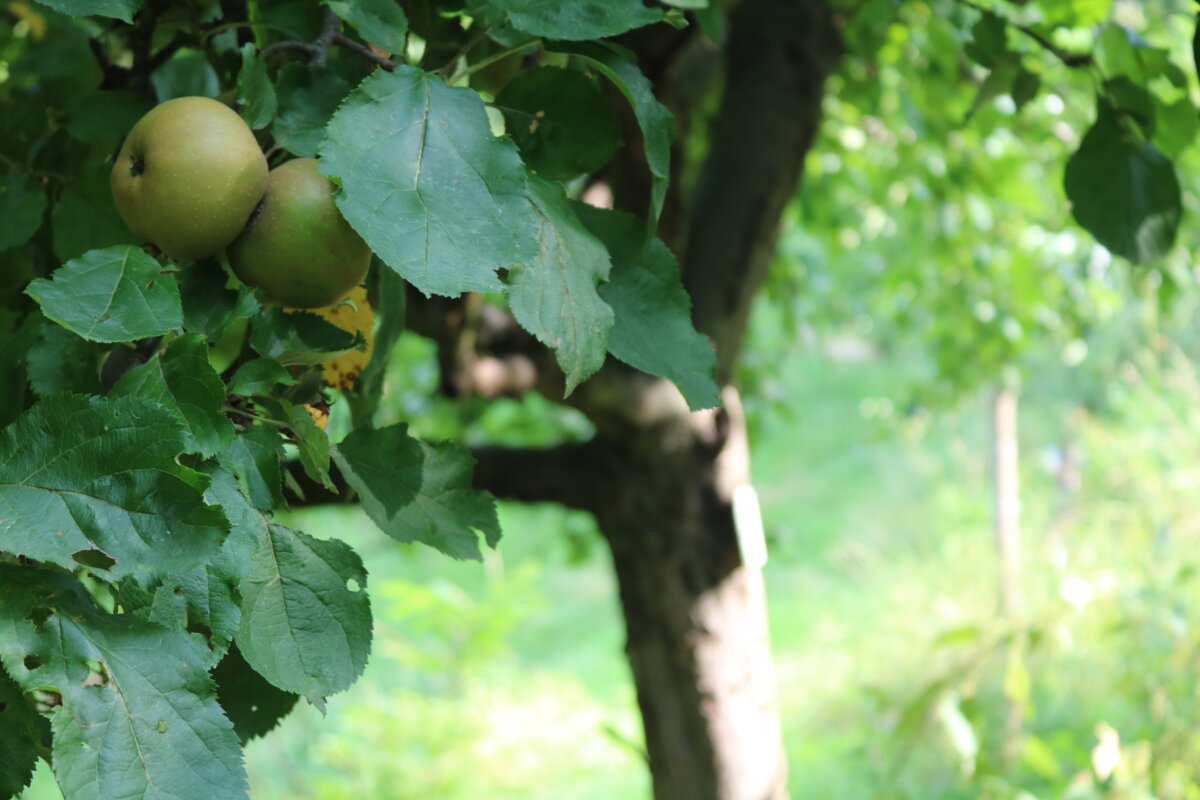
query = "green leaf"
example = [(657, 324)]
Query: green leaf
[(60, 361), (560, 121), (184, 383), (418, 492), (426, 184), (22, 729), (297, 338), (570, 20), (14, 363), (186, 74), (204, 601), (118, 294), (311, 442), (1176, 126), (255, 91), (195, 602), (658, 127), (1131, 101), (22, 203), (139, 716), (209, 307), (252, 704), (260, 376), (1025, 87), (1075, 13), (711, 20), (254, 458), (117, 9), (91, 481), (1121, 51), (307, 99), (380, 22), (103, 118), (306, 619), (989, 40), (1124, 192), (652, 330), (247, 524), (554, 296), (86, 218), (389, 295)]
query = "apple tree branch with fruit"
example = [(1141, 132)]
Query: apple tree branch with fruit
[(212, 216)]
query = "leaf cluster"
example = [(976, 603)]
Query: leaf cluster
[(965, 146), (154, 612)]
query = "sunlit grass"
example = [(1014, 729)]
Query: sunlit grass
[(506, 679)]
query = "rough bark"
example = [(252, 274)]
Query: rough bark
[(660, 479), (780, 52), (696, 615)]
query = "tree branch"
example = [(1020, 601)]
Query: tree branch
[(575, 475), (780, 52), (318, 49), (1069, 59), (164, 53), (324, 42), (364, 51), (308, 48)]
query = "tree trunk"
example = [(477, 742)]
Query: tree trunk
[(1007, 502), (659, 479), (696, 616)]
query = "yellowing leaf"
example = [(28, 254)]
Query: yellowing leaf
[(352, 314), (320, 415)]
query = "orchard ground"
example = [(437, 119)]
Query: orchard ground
[(506, 680)]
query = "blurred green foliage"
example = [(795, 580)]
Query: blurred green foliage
[(892, 662), (930, 253)]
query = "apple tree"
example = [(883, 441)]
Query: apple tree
[(159, 412)]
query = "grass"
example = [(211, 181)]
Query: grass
[(507, 679)]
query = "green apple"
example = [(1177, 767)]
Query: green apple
[(188, 176), (297, 248)]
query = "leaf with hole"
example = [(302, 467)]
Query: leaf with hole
[(103, 490), (306, 619), (435, 195), (139, 715), (118, 294)]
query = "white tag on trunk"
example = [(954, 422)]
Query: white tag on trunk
[(747, 519)]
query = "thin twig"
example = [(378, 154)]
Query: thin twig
[(324, 40), (466, 48), (1069, 59), (278, 47), (217, 30), (318, 49), (164, 53), (366, 52), (478, 65)]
